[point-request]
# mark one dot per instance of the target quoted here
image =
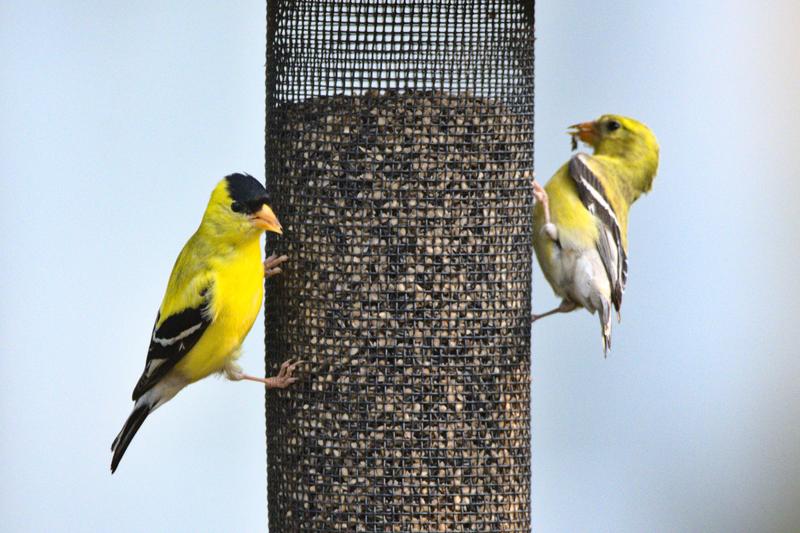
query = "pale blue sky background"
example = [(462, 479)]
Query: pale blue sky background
[(117, 119)]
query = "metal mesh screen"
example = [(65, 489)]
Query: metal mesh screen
[(399, 151)]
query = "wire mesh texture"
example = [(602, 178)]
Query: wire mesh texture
[(399, 158)]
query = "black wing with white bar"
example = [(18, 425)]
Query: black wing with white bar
[(609, 245), (172, 340)]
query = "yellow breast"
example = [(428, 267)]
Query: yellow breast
[(577, 228), (237, 295)]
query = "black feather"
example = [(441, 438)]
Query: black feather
[(176, 336), (125, 436), (247, 193), (586, 183)]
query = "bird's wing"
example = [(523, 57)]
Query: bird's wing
[(609, 242), (172, 339)]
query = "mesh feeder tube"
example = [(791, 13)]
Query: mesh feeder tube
[(399, 150)]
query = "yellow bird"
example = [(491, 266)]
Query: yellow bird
[(580, 221), (212, 299)]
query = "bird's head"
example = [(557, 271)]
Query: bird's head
[(239, 208), (624, 138)]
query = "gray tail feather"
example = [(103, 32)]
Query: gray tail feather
[(125, 436), (605, 324)]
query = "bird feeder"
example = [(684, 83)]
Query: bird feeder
[(399, 158)]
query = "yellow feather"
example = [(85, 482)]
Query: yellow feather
[(224, 255), (576, 225), (237, 292), (625, 162), (212, 299)]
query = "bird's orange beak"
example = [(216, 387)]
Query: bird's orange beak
[(265, 219), (585, 131)]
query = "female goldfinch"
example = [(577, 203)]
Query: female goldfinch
[(580, 221), (212, 299)]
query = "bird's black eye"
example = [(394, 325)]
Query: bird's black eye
[(239, 207), (613, 125)]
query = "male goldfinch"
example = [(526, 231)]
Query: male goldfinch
[(580, 221), (212, 299)]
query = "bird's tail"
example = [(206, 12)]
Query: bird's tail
[(125, 436), (605, 324)]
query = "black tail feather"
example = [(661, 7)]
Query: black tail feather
[(125, 436)]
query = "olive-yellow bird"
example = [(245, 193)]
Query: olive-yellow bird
[(212, 299), (580, 221)]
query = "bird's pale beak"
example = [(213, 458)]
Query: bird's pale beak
[(585, 131), (265, 219)]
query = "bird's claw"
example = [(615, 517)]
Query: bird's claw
[(285, 375), (564, 307), (541, 196), (538, 192), (272, 265)]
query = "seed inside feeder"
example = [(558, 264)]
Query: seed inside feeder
[(406, 292)]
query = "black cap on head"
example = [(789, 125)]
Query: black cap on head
[(247, 193)]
